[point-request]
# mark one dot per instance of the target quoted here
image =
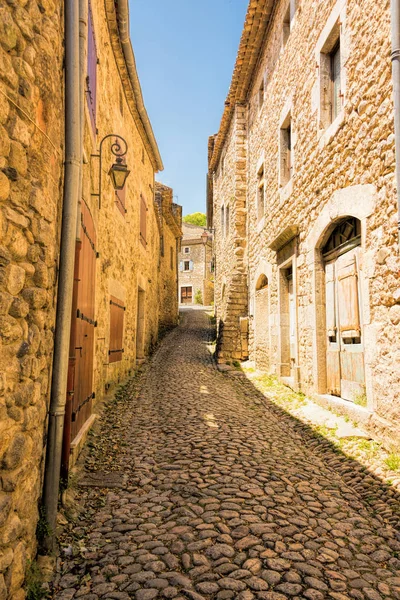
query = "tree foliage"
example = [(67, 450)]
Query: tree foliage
[(196, 218)]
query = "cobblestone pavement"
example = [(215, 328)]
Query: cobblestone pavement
[(222, 499)]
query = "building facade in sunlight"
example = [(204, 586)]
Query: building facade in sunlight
[(124, 283), (196, 277), (301, 193)]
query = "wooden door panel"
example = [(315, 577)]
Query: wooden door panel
[(85, 325)]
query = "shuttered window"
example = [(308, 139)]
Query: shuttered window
[(117, 312), (336, 84), (91, 79), (120, 196), (143, 221), (171, 257)]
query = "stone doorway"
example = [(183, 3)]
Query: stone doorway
[(345, 371)]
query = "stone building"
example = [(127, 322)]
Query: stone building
[(196, 267), (170, 220), (124, 283), (301, 193)]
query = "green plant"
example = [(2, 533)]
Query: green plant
[(360, 398), (196, 218), (198, 297), (43, 529), (236, 363), (34, 584), (393, 461)]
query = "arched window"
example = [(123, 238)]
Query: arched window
[(346, 235), (262, 282)]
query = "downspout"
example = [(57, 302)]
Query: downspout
[(66, 271), (66, 450), (395, 56)]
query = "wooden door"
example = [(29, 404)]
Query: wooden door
[(292, 325), (345, 351), (186, 295), (84, 324)]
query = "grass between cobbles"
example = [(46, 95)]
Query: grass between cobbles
[(370, 453)]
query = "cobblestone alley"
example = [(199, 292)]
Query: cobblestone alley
[(220, 498)]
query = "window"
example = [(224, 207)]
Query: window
[(227, 221), (261, 95), (286, 157), (171, 257), (143, 221), (91, 78), (335, 91), (186, 250), (161, 245), (260, 193), (222, 221), (121, 103), (117, 312), (286, 26), (186, 265), (222, 166), (331, 81)]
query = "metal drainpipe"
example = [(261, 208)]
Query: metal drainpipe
[(66, 271), (395, 56)]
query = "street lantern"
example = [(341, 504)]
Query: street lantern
[(118, 173), (204, 237)]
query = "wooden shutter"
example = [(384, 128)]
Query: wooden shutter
[(330, 300), (117, 311), (349, 314), (143, 221), (336, 66), (91, 71), (120, 196), (181, 265)]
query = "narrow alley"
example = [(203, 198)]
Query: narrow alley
[(213, 495)]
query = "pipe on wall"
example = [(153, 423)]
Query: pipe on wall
[(395, 56), (72, 166)]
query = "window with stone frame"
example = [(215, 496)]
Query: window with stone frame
[(186, 250), (171, 258), (285, 151), (330, 74), (143, 221), (260, 193), (261, 92), (186, 265), (286, 26)]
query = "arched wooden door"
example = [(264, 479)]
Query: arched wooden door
[(345, 348)]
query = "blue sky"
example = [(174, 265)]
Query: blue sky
[(185, 52)]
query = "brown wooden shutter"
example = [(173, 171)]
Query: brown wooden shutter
[(330, 300), (349, 314), (143, 221), (117, 311), (120, 196)]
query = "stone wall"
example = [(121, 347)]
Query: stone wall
[(229, 193), (31, 155), (171, 233), (338, 170)]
